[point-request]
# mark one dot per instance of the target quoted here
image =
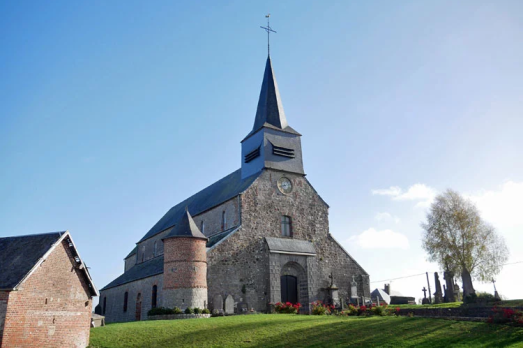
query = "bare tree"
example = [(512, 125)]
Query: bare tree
[(461, 242)]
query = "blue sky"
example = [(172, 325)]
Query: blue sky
[(112, 112)]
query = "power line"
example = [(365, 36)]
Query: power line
[(416, 275)]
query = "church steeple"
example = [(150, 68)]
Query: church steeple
[(272, 143), (270, 108)]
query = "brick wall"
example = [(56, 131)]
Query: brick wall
[(52, 308), (4, 296), (185, 273)]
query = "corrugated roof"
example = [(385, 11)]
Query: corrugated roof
[(284, 245), (18, 256), (219, 192), (142, 270)]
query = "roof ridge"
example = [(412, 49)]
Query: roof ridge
[(36, 234)]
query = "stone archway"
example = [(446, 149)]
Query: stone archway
[(293, 284)]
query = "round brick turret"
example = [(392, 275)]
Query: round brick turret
[(185, 266)]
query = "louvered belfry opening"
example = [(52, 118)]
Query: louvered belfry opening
[(252, 155), (282, 151)]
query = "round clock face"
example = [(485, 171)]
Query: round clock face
[(285, 185)]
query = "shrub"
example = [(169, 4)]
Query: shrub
[(319, 308), (217, 313), (197, 310), (160, 311), (206, 311), (189, 310), (352, 310), (287, 307), (506, 316), (177, 310), (380, 310)]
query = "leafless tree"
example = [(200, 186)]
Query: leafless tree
[(460, 241)]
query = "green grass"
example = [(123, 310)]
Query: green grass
[(508, 303), (286, 330), (440, 305)]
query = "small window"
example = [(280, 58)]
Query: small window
[(224, 221), (154, 296), (105, 305), (143, 253), (125, 300), (202, 227), (286, 226), (155, 248)]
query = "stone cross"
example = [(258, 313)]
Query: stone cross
[(424, 292)]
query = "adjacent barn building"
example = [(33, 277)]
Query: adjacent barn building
[(45, 292)]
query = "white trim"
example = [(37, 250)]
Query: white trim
[(290, 253), (41, 260), (46, 255)]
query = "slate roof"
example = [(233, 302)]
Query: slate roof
[(18, 256), (133, 252), (139, 271), (219, 192), (284, 245), (185, 227), (381, 294), (270, 111)]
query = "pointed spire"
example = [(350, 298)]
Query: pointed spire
[(186, 227), (270, 108)]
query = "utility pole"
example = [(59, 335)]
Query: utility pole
[(428, 284)]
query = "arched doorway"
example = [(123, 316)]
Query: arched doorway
[(289, 288), (138, 315)]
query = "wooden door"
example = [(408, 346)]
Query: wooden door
[(138, 315), (289, 289)]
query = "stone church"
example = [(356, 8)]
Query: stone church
[(258, 236)]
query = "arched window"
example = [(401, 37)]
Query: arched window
[(105, 305), (224, 221), (154, 296), (143, 253), (202, 227), (286, 226), (155, 248), (125, 300)]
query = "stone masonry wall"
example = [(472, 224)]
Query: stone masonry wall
[(114, 311), (52, 308), (4, 297), (242, 262)]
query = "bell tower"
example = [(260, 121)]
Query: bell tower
[(272, 143)]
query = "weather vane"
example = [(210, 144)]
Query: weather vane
[(269, 30)]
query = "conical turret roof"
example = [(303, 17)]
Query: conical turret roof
[(186, 227)]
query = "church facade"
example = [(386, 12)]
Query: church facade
[(265, 233)]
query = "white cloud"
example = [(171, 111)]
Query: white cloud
[(423, 194), (503, 207), (383, 217), (384, 239), (391, 191)]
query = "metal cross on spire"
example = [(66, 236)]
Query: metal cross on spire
[(269, 30)]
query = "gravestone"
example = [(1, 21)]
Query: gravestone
[(449, 280), (217, 302), (425, 299), (438, 295), (229, 305), (353, 288), (242, 307)]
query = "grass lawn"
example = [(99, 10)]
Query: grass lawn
[(286, 330), (508, 303)]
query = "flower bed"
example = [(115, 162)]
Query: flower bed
[(287, 307)]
